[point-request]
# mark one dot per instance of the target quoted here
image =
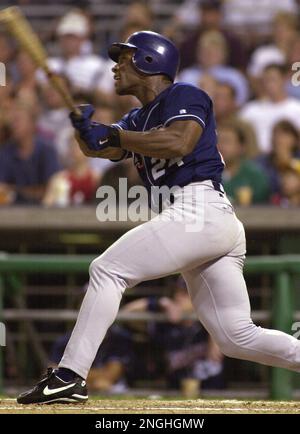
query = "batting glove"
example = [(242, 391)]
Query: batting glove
[(97, 136)]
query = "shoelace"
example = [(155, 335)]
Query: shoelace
[(48, 374)]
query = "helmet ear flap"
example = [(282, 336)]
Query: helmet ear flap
[(138, 61), (145, 61)]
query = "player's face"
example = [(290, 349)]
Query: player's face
[(125, 76)]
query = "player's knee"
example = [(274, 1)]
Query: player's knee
[(235, 340), (103, 274), (95, 268), (229, 349), (99, 269)]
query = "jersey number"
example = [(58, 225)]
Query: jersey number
[(161, 165)]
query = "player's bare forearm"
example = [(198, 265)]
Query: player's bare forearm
[(177, 140), (158, 144)]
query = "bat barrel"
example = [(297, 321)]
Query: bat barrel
[(18, 26)]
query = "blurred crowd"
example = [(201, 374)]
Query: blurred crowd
[(243, 53)]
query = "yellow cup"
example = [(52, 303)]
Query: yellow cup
[(244, 195), (190, 388)]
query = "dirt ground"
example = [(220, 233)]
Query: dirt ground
[(148, 406)]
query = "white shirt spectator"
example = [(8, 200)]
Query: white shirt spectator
[(52, 126), (264, 114), (255, 13), (264, 56), (87, 72), (101, 165), (79, 65), (189, 13)]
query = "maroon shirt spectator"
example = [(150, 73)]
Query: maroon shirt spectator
[(211, 19)]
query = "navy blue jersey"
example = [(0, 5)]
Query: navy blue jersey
[(180, 101)]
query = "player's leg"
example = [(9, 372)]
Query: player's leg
[(160, 247), (220, 298), (137, 256)]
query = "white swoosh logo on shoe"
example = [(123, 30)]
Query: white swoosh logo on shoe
[(101, 142), (48, 391)]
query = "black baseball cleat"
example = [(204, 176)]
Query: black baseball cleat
[(51, 389)]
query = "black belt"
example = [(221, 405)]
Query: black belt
[(218, 186)]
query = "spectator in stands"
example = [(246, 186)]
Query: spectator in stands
[(7, 99), (7, 53), (76, 185), (185, 350), (226, 110), (289, 193), (225, 103), (53, 123), (26, 85), (284, 34), (127, 29), (277, 105), (293, 79), (285, 154), (208, 84), (211, 18), (212, 51), (86, 73), (26, 164), (139, 13), (3, 129), (244, 181), (255, 16)]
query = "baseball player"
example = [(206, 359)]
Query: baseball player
[(172, 141)]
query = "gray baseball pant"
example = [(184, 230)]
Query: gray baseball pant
[(209, 252)]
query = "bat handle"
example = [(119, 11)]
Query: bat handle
[(60, 87), (76, 111)]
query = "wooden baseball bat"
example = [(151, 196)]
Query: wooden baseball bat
[(19, 27)]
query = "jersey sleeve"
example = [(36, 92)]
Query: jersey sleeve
[(187, 102), (125, 124)]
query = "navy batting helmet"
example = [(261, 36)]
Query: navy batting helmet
[(154, 53)]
